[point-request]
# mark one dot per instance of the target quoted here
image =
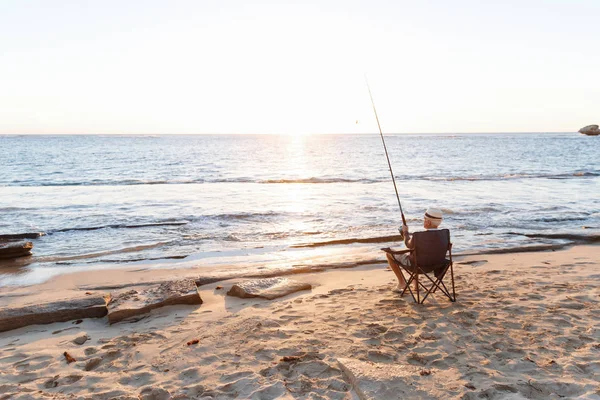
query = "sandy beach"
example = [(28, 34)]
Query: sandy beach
[(525, 325)]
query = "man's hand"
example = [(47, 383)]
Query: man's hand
[(405, 230)]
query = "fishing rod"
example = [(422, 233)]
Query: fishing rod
[(386, 153)]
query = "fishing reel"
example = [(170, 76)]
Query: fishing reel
[(401, 233)]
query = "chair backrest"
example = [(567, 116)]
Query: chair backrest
[(431, 247)]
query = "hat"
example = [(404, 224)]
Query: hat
[(433, 213)]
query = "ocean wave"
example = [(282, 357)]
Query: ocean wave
[(5, 209), (501, 177), (378, 239), (242, 216), (304, 180), (120, 226), (509, 250), (319, 180), (58, 259), (105, 182), (560, 219), (123, 261), (573, 237)]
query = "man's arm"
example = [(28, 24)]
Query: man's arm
[(407, 237)]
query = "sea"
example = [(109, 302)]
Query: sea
[(177, 201)]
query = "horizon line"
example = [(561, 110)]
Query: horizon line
[(285, 134)]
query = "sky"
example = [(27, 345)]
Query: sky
[(228, 66)]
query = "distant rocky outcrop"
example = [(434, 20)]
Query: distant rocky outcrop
[(590, 130), (14, 250)]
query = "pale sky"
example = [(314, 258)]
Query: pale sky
[(149, 66)]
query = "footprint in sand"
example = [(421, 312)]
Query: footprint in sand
[(92, 364), (14, 357), (33, 363), (235, 376), (137, 380), (381, 357)]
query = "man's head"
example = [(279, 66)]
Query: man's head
[(433, 218)]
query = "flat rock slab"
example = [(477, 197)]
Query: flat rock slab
[(262, 272), (59, 311), (137, 302), (398, 381), (268, 288), (14, 250)]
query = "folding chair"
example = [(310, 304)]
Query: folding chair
[(430, 263)]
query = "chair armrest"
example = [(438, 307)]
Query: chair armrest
[(390, 251)]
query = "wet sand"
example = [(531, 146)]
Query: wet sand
[(524, 326)]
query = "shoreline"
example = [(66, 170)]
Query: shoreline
[(15, 267), (523, 325)]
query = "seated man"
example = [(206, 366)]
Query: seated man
[(432, 220)]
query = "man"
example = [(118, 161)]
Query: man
[(431, 221)]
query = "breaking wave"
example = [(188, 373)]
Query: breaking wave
[(58, 259), (572, 237), (379, 239), (307, 180), (120, 226)]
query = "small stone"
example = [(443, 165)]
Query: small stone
[(191, 342), (290, 358), (81, 339)]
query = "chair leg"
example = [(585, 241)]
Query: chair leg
[(407, 284), (417, 280), (436, 284), (452, 277)]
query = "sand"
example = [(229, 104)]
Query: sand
[(525, 326)]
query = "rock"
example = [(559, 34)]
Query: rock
[(135, 302), (81, 339), (59, 311), (268, 288), (590, 130), (18, 236), (14, 250)]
